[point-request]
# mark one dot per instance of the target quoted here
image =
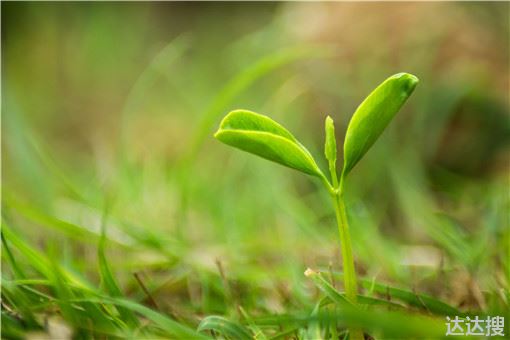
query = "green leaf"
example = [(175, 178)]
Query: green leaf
[(373, 115), (330, 144), (260, 135), (330, 149)]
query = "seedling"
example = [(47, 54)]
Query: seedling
[(260, 135)]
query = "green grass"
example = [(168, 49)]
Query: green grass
[(122, 216)]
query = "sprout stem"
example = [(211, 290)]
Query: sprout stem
[(350, 280), (332, 170)]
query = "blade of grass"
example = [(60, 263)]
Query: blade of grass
[(368, 301), (224, 327), (21, 303), (258, 334), (163, 322), (38, 260), (74, 231), (18, 272), (64, 294), (334, 295), (313, 330), (84, 312), (389, 324), (12, 328), (327, 288), (108, 280), (421, 301)]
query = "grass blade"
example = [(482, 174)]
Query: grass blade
[(327, 288), (224, 327), (170, 326), (421, 301), (109, 281)]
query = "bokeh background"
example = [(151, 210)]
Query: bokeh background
[(108, 112)]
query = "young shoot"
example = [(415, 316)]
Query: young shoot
[(260, 135)]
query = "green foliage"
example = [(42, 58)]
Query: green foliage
[(162, 321), (330, 143), (109, 282), (413, 299), (373, 115), (260, 135), (386, 324), (81, 304), (109, 126), (258, 333), (225, 327), (330, 149)]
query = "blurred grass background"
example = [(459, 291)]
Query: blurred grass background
[(108, 112)]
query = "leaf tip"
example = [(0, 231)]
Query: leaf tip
[(409, 81), (309, 272), (330, 143)]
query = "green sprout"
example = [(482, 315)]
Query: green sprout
[(260, 135)]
